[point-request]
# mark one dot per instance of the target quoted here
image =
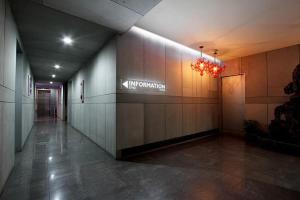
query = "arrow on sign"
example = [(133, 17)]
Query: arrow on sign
[(125, 84)]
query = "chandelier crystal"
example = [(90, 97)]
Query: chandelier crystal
[(203, 66)]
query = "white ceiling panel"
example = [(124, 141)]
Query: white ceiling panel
[(118, 15), (138, 6), (236, 27)]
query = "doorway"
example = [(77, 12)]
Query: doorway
[(43, 103), (233, 104), (49, 101)]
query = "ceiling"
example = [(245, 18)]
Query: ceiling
[(235, 27), (119, 15), (41, 29), (46, 85), (43, 23)]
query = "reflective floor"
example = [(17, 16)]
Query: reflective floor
[(59, 163)]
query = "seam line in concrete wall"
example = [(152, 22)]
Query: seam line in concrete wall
[(97, 95), (8, 88), (299, 53), (4, 4), (144, 129), (165, 46), (143, 51), (267, 65)]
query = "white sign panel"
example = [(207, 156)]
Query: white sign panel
[(134, 85)]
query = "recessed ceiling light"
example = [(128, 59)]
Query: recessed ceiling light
[(51, 82), (67, 40), (52, 176), (53, 75), (57, 66)]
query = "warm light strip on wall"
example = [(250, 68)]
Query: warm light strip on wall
[(171, 43)]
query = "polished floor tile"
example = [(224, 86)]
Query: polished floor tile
[(59, 163)]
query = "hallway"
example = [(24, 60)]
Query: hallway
[(59, 163)]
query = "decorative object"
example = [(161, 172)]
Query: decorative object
[(286, 125), (284, 131), (29, 85), (203, 66), (215, 69), (82, 91)]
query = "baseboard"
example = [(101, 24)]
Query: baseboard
[(134, 151)]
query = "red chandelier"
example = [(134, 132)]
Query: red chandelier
[(202, 66)]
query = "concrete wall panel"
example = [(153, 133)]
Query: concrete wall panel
[(110, 72), (130, 56), (281, 64), (2, 175), (208, 118), (6, 94), (233, 67), (215, 116), (10, 54), (213, 87), (189, 119), (200, 118), (258, 112), (130, 125), (155, 129), (8, 140), (255, 68), (100, 124), (110, 128), (188, 75), (93, 122), (173, 71), (27, 120), (154, 60), (205, 86), (198, 84), (173, 120), (2, 20), (86, 120)]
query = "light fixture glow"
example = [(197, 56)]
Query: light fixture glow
[(52, 176), (67, 40), (57, 66), (51, 84), (53, 75), (154, 36)]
